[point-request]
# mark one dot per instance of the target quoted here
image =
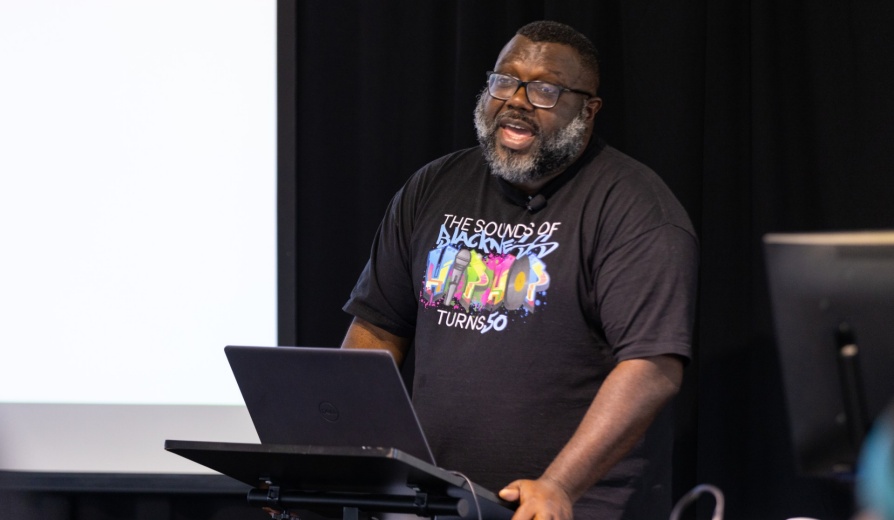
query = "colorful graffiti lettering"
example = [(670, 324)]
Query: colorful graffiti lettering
[(477, 282), (439, 263)]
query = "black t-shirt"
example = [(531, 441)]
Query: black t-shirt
[(517, 316)]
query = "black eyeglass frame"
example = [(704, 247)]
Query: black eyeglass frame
[(521, 84)]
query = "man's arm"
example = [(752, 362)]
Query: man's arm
[(626, 404), (363, 334)]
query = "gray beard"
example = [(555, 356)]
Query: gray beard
[(553, 153)]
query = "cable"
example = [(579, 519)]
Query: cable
[(471, 490), (693, 495)]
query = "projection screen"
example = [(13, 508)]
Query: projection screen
[(137, 222)]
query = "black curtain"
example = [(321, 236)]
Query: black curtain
[(762, 116)]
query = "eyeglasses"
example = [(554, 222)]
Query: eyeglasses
[(540, 93)]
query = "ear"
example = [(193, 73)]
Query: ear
[(592, 106)]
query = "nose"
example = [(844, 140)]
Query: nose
[(520, 99)]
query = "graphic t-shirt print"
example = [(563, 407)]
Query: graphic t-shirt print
[(482, 275)]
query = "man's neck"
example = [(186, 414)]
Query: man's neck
[(533, 187)]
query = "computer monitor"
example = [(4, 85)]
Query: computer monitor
[(832, 298)]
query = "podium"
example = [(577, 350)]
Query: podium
[(344, 482)]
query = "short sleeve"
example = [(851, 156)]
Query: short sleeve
[(647, 291), (384, 293)]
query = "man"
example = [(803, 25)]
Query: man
[(547, 282)]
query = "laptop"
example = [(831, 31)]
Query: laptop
[(327, 397), (339, 421)]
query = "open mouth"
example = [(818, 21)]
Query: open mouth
[(515, 134)]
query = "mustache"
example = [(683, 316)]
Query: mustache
[(515, 115)]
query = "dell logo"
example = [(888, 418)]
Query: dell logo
[(328, 411)]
